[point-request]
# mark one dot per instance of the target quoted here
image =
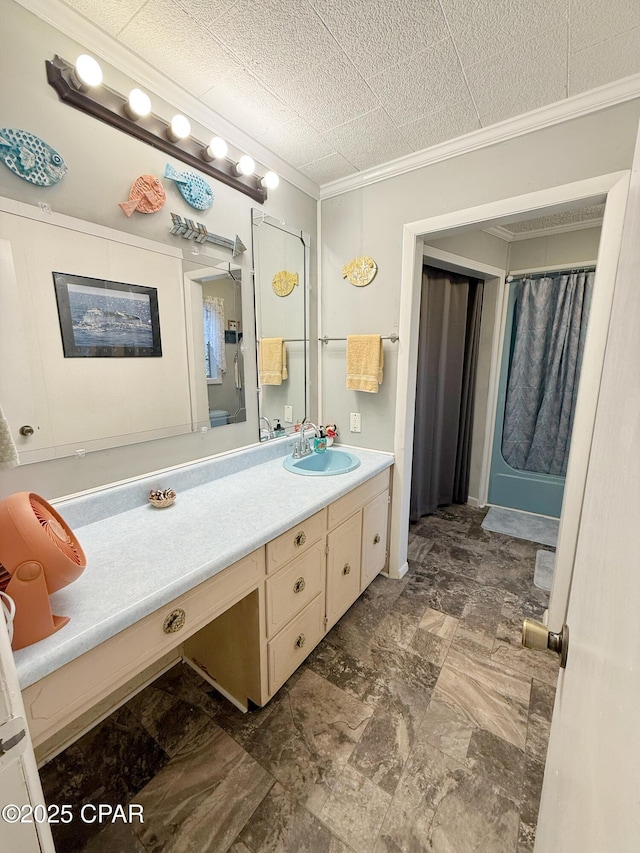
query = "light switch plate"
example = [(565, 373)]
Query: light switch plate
[(355, 422), (288, 414)]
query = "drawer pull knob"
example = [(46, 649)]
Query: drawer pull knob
[(299, 539), (346, 569), (174, 621), (376, 539), (299, 585), (300, 641)]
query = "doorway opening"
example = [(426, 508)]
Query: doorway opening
[(610, 190)]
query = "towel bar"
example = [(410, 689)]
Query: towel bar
[(393, 338)]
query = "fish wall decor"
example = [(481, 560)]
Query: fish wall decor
[(30, 157), (147, 195), (193, 189)]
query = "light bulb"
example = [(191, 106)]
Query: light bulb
[(86, 73), (138, 105), (180, 128), (217, 147), (270, 181), (245, 165)]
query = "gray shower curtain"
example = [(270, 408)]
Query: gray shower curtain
[(450, 311), (550, 325)]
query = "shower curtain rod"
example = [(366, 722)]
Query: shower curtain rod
[(542, 273)]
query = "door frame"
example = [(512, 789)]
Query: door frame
[(610, 189), (493, 276)]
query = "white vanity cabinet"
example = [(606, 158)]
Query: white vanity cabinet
[(246, 629), (294, 597), (352, 535)]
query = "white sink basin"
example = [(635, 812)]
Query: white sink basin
[(323, 464)]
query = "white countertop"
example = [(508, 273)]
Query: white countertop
[(141, 559)]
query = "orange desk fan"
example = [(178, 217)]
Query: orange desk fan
[(42, 555)]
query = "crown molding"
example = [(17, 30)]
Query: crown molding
[(561, 111), (110, 50), (510, 237)]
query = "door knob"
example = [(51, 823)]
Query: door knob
[(538, 637)]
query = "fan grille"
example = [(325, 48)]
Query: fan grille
[(5, 577), (55, 531)]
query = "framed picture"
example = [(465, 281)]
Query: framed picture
[(106, 319), (232, 325)]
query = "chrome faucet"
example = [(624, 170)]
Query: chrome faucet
[(270, 432), (302, 446)]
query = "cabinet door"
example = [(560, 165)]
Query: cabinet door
[(374, 538), (343, 567)]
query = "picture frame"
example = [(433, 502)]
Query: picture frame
[(232, 337), (107, 319), (232, 325)]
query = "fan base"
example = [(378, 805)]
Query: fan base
[(33, 620)]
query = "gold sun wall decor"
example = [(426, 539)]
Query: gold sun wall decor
[(360, 271), (284, 282)]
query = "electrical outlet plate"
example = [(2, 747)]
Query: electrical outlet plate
[(288, 414), (355, 422)]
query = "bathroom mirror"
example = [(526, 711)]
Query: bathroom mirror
[(61, 406), (281, 275)]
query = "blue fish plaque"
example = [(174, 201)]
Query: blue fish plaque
[(193, 189), (30, 157)]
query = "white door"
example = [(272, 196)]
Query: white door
[(22, 810), (591, 792)]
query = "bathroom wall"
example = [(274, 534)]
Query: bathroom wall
[(103, 163), (570, 247), (369, 220), (476, 245)]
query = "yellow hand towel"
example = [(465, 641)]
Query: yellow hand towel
[(272, 361), (364, 363)]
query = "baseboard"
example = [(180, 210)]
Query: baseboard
[(473, 501)]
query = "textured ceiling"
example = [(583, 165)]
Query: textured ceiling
[(591, 215), (338, 86)]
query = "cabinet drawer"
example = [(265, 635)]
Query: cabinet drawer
[(343, 567), (291, 589), (375, 519), (60, 697), (349, 503), (295, 541), (290, 647)]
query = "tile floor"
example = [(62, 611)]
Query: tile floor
[(418, 724)]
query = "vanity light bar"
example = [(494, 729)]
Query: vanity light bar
[(110, 107)]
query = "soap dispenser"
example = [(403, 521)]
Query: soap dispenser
[(278, 428)]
